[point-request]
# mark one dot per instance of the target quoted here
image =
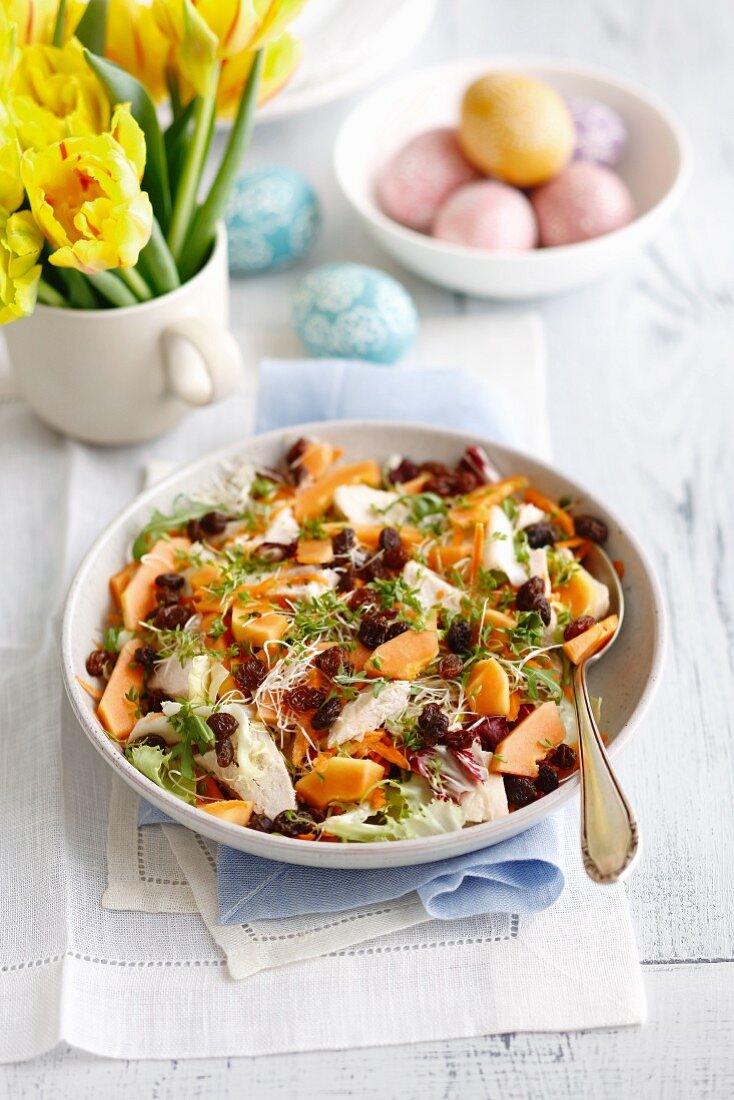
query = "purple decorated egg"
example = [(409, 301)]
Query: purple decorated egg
[(488, 214), (601, 135), (586, 200), (421, 176)]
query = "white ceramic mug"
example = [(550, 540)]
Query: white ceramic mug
[(127, 375)]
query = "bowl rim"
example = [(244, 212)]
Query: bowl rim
[(291, 850), (369, 209)]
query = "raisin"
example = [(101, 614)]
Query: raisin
[(296, 452), (564, 757), (458, 739), (546, 779), (394, 630), (146, 656), (578, 626), (151, 702), (344, 541), (327, 713), (277, 551), (362, 597), (166, 597), (170, 580), (444, 486), (450, 666), (465, 481), (372, 631), (333, 661), (154, 740), (261, 823), (389, 539), (520, 791), (432, 724), (591, 527), (459, 636), (222, 724), (224, 751), (437, 468), (194, 531), (540, 534), (293, 823), (396, 557), (213, 523), (250, 674), (346, 580), (97, 662), (374, 570), (491, 731), (171, 617), (405, 471), (303, 698), (531, 597)]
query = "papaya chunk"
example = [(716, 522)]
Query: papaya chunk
[(338, 779), (138, 597), (235, 810), (314, 551), (585, 595), (270, 627), (529, 742), (585, 645), (120, 581), (404, 657), (318, 497), (488, 689), (317, 458), (119, 703)]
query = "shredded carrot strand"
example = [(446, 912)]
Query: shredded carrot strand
[(561, 517), (477, 552), (95, 693)]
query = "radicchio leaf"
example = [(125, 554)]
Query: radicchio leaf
[(478, 462), (450, 773)]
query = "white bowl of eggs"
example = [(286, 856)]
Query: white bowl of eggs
[(511, 177)]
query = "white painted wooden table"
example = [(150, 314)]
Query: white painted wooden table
[(642, 404)]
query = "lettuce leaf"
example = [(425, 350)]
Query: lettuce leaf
[(156, 764), (417, 814)]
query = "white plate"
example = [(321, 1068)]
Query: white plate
[(348, 44), (656, 167), (626, 679)]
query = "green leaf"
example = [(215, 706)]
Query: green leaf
[(158, 766), (92, 27), (160, 524), (121, 87), (176, 140), (201, 232)]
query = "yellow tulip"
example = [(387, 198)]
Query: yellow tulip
[(54, 94), (136, 43), (21, 242), (85, 195), (247, 24), (11, 189), (279, 63), (128, 134), (35, 19), (193, 46)]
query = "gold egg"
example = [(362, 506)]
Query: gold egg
[(516, 128)]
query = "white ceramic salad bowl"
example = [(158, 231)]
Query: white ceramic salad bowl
[(656, 166), (626, 679)]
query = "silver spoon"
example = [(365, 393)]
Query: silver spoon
[(609, 832)]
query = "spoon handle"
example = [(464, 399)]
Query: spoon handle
[(609, 832)]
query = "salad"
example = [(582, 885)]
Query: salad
[(336, 651)]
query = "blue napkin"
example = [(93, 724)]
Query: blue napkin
[(521, 875)]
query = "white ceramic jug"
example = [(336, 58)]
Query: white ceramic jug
[(126, 375)]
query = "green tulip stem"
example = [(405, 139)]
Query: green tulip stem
[(135, 282), (188, 187), (50, 296), (59, 25), (159, 267), (203, 226), (113, 289)]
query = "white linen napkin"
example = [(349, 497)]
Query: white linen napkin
[(156, 983)]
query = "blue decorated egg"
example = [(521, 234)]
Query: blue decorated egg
[(350, 311), (272, 219)]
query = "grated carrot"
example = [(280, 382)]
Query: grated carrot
[(561, 517), (477, 552), (619, 566), (95, 693)]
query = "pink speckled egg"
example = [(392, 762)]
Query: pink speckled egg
[(421, 176), (601, 135), (488, 214), (585, 200)]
